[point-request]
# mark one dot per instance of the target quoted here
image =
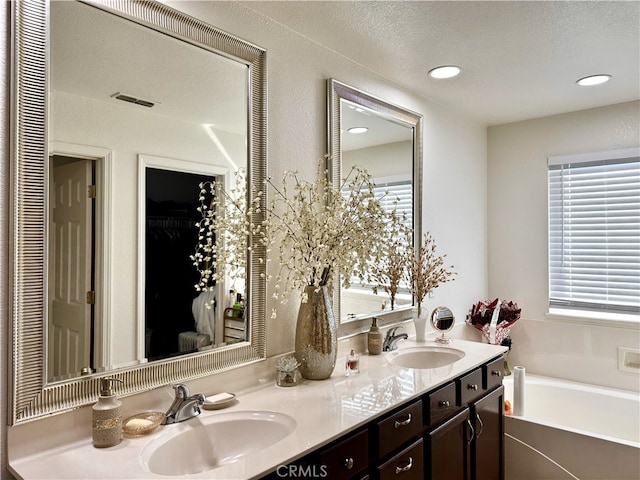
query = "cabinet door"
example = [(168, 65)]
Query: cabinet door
[(488, 444), (448, 449)]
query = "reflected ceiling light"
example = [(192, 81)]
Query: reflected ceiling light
[(446, 71), (357, 130), (594, 80)]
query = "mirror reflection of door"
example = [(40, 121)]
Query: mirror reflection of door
[(171, 236), (71, 264)]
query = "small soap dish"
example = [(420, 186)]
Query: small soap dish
[(218, 401), (142, 423)]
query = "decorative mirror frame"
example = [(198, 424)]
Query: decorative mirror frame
[(30, 396), (337, 91)]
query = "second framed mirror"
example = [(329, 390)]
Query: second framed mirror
[(386, 140)]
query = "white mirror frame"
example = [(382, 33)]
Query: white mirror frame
[(337, 91), (30, 396)]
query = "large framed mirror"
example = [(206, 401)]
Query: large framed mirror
[(121, 112), (386, 140)]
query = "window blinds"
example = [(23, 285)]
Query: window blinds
[(594, 231)]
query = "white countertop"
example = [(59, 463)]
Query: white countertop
[(323, 410)]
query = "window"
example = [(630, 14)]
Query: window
[(594, 231)]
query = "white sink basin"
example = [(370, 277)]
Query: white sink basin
[(207, 442), (425, 357)]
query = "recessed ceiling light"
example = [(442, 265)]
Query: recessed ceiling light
[(594, 80), (446, 71), (357, 130)]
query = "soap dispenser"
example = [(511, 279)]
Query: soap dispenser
[(374, 338), (107, 416)]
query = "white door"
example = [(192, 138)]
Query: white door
[(70, 267)]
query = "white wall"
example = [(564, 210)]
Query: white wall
[(517, 233)]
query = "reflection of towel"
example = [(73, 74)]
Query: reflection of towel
[(204, 317)]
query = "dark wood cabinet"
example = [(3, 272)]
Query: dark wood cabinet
[(347, 458), (448, 448), (407, 464), (454, 432), (488, 443)]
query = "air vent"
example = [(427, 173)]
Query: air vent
[(131, 99)]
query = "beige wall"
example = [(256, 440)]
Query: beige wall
[(517, 233)]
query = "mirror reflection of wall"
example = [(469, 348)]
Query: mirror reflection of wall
[(121, 89), (385, 148)]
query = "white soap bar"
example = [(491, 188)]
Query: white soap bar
[(219, 397), (138, 423)]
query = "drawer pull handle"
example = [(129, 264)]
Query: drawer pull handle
[(444, 404), (496, 373), (348, 463), (472, 387), (406, 468), (402, 423)]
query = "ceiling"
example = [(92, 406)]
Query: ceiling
[(520, 59)]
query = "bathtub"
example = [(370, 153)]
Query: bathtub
[(572, 431)]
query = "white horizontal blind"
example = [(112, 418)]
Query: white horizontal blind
[(594, 232), (396, 195)]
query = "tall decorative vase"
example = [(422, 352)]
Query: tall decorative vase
[(316, 338), (420, 317)]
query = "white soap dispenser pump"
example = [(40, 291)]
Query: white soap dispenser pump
[(107, 416)]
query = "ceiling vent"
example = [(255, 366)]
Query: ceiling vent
[(131, 99)]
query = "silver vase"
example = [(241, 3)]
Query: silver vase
[(316, 339)]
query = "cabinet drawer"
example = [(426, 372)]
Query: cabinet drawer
[(346, 458), (406, 465), (399, 427), (470, 386), (492, 374), (442, 403)]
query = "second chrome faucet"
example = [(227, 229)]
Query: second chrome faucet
[(391, 339)]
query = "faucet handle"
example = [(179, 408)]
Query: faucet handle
[(182, 391), (392, 332)]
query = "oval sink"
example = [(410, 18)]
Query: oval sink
[(425, 357), (207, 442)]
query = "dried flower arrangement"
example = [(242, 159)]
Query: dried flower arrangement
[(389, 258), (319, 229), (425, 270), (482, 313), (227, 212)]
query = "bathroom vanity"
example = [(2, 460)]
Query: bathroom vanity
[(441, 423), (453, 432)]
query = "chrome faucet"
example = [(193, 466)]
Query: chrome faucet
[(391, 339), (184, 406)]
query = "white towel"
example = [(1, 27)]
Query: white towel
[(205, 317)]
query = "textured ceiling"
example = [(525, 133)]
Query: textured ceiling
[(520, 59)]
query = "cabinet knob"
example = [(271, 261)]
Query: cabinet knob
[(348, 463), (444, 404), (406, 468), (402, 423), (496, 373), (472, 387)]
